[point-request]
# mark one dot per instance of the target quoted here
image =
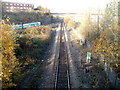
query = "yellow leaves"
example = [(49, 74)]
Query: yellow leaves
[(70, 24), (7, 19), (9, 61), (67, 19), (9, 70), (117, 54), (116, 65), (5, 76), (106, 45)]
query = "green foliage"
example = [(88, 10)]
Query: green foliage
[(27, 17), (32, 45)]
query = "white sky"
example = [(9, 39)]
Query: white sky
[(67, 6)]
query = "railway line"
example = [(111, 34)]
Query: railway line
[(62, 78), (61, 70)]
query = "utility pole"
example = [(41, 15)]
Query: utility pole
[(98, 23), (89, 22), (98, 20)]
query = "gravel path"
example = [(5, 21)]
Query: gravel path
[(76, 72), (48, 77), (80, 78)]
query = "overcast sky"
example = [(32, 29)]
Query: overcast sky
[(67, 6)]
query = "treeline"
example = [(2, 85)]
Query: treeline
[(27, 17)]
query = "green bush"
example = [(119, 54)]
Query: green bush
[(27, 17)]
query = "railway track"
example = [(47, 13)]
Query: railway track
[(62, 79)]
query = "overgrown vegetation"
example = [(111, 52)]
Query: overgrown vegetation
[(21, 51), (103, 36), (27, 17), (33, 42), (107, 44), (10, 64)]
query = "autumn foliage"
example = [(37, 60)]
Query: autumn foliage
[(9, 61), (106, 46), (21, 50)]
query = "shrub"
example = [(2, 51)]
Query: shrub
[(10, 64)]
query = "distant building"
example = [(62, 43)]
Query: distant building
[(16, 7)]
